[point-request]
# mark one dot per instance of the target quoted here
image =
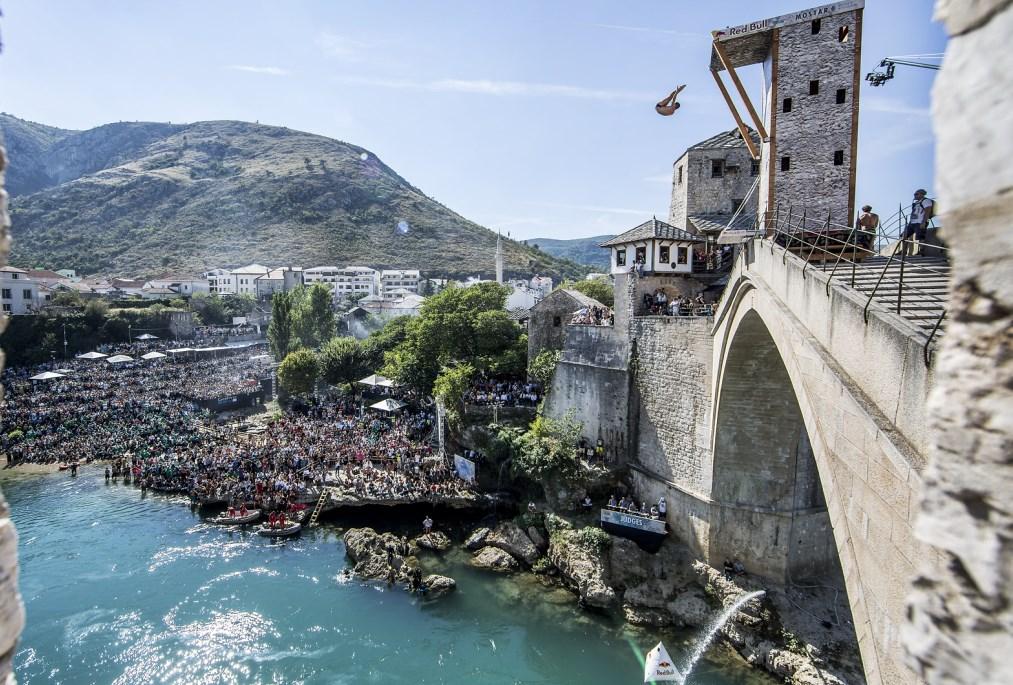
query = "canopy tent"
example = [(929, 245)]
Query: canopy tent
[(388, 405), (377, 381), (152, 355), (47, 376), (92, 355), (65, 372), (146, 336), (119, 359), (179, 350)]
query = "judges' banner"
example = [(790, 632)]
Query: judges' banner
[(658, 667), (465, 468)]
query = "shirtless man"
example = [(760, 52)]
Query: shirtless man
[(667, 106), (866, 226)]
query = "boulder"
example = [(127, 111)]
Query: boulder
[(539, 541), (436, 541), (582, 569), (690, 608), (439, 585), (509, 537), (494, 559), (368, 549), (476, 540), (646, 616)]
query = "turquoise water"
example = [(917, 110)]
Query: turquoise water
[(128, 590)]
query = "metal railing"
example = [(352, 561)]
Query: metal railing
[(822, 240)]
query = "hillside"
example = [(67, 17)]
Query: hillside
[(579, 250), (141, 198)]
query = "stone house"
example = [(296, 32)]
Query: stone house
[(548, 320)]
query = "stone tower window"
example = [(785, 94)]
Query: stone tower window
[(717, 168), (817, 25), (814, 87), (842, 95), (754, 168), (843, 33), (838, 157), (785, 163), (786, 106), (678, 175), (735, 205)]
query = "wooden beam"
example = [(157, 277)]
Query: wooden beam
[(727, 64), (735, 113)]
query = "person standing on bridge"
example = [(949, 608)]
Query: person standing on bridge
[(866, 226), (917, 225)]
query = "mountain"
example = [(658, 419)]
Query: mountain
[(140, 198), (579, 250)]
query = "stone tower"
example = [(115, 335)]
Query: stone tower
[(499, 258), (808, 111)]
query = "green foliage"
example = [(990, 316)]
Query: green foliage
[(312, 315), (67, 298), (597, 289), (541, 566), (450, 386), (211, 308), (594, 540), (298, 372), (279, 332), (543, 367), (95, 313), (547, 450), (342, 361), (456, 326), (530, 519), (383, 341)]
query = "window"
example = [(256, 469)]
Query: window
[(843, 33), (842, 95), (736, 204), (678, 175), (814, 87), (557, 321), (5, 293), (717, 168), (754, 168), (816, 26), (15, 276), (838, 157), (785, 163), (786, 105), (663, 254), (683, 253), (620, 257), (7, 308), (642, 255), (26, 294)]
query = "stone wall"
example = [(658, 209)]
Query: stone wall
[(592, 382), (700, 193), (12, 611), (817, 125), (548, 323), (960, 612)]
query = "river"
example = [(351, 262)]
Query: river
[(129, 590)]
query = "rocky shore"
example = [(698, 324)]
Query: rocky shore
[(669, 589)]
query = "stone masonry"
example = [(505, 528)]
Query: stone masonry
[(960, 614), (696, 190)]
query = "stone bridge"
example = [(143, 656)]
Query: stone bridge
[(787, 431)]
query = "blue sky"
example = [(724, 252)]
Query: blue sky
[(534, 117)]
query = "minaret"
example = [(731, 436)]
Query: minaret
[(499, 258)]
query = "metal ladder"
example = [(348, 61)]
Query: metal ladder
[(324, 494)]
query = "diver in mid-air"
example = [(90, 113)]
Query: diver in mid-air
[(667, 107)]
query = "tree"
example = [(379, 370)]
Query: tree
[(384, 340), (543, 367), (450, 386), (95, 313), (67, 298), (598, 289), (313, 315), (279, 332), (342, 361), (298, 372), (546, 452), (238, 305), (211, 308)]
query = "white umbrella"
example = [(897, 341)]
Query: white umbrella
[(152, 355), (119, 359), (92, 355), (146, 336), (179, 350), (65, 371), (387, 405), (376, 381), (46, 376)]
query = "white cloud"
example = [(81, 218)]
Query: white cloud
[(341, 47), (501, 88), (270, 71), (646, 29)]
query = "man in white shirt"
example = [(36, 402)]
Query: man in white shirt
[(917, 225)]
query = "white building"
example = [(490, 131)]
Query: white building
[(543, 284), (186, 285), (278, 280), (246, 278), (220, 281), (383, 308), (322, 274), (656, 246), (392, 280), (18, 294), (522, 295)]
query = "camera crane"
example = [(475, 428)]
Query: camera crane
[(878, 78)]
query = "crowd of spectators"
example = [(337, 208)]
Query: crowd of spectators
[(659, 304), (593, 316), (504, 393)]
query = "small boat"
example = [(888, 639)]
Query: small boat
[(226, 520), (268, 532)]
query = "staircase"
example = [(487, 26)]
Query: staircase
[(916, 288), (321, 502)]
